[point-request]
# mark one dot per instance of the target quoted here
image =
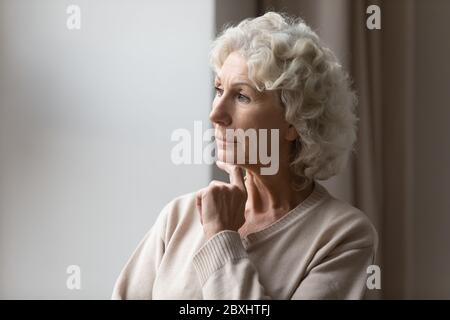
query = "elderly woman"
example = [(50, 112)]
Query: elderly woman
[(273, 236)]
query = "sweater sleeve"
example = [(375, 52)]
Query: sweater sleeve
[(225, 270), (136, 279)]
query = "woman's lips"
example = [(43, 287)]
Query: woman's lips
[(224, 144), (224, 141)]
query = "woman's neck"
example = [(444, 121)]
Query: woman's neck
[(270, 197)]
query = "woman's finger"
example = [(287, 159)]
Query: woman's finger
[(235, 172), (237, 178)]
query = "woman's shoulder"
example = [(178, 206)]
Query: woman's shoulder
[(180, 210), (345, 223), (182, 202)]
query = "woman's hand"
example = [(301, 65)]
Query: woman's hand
[(221, 205)]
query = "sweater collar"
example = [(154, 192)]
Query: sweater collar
[(319, 192)]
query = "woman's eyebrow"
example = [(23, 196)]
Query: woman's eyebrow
[(243, 83)]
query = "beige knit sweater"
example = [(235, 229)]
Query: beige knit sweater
[(319, 250)]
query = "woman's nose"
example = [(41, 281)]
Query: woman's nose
[(220, 114)]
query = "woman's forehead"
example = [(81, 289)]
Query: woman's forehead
[(234, 62)]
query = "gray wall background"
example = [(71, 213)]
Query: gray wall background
[(86, 119)]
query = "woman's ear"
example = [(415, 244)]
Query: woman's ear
[(291, 133)]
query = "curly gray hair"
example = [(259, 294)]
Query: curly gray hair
[(284, 54)]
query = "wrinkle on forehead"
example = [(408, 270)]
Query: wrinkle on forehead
[(235, 64)]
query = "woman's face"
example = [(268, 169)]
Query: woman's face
[(238, 105)]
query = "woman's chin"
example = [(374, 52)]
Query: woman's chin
[(221, 156)]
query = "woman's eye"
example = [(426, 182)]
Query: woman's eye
[(219, 91), (243, 98)]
